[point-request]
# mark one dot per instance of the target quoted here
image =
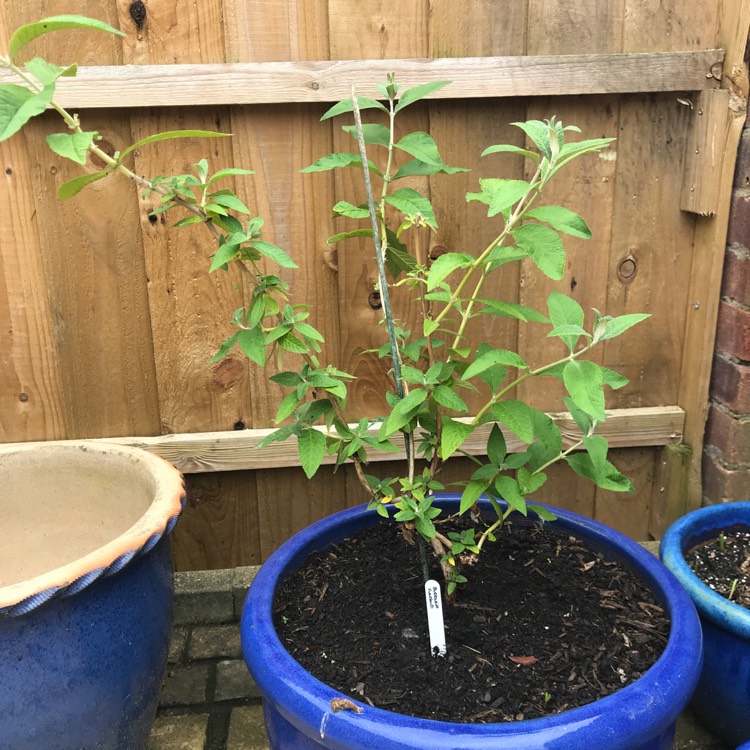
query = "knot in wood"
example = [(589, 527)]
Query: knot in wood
[(375, 301), (627, 269), (138, 13), (437, 251)]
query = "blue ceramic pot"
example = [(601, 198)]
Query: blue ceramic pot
[(297, 706), (722, 699), (85, 595)]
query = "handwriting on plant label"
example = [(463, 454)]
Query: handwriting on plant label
[(435, 623)]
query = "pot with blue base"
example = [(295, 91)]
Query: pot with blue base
[(302, 713), (722, 698), (85, 593)]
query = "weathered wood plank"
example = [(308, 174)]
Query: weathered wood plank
[(326, 81), (710, 241), (228, 451), (704, 151)]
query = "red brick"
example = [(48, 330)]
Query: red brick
[(739, 219), (722, 484), (742, 168), (728, 434), (733, 330), (736, 280), (730, 384)]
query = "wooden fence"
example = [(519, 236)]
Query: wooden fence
[(109, 319)]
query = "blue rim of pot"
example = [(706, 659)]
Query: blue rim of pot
[(694, 528), (637, 712)]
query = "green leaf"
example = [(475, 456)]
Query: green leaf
[(287, 378), (448, 398), (374, 134), (73, 146), (18, 105), (584, 382), (311, 445), (253, 344), (517, 416), (224, 254), (286, 407), (509, 491), (538, 132), (413, 204), (619, 325), (402, 412), (513, 310), (416, 93), (430, 326), (544, 247), (399, 261), (493, 357), (229, 172), (499, 195), (348, 235), (337, 161), (46, 72), (169, 135), (421, 146), (445, 265), (529, 482), (73, 187), (597, 447), (27, 33), (565, 311), (472, 492), (613, 379), (511, 149), (344, 208), (454, 434), (583, 421), (609, 478), (417, 168), (188, 220), (276, 254), (230, 201), (497, 448), (542, 512), (347, 105), (562, 219)]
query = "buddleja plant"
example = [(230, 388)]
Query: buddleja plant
[(430, 368)]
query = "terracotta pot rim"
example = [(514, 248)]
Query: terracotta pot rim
[(158, 520)]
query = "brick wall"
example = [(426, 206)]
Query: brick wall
[(726, 458)]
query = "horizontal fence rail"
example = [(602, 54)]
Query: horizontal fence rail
[(195, 453), (325, 81)]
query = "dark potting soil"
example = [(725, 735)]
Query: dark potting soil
[(724, 565), (544, 625)]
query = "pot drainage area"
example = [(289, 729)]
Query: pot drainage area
[(209, 701)]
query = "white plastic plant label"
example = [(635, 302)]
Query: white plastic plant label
[(435, 618)]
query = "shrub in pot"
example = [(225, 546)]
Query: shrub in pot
[(431, 370), (722, 698)]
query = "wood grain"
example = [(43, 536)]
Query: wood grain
[(323, 81)]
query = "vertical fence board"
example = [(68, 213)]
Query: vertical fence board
[(31, 398)]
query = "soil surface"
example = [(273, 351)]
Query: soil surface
[(723, 564), (544, 625)]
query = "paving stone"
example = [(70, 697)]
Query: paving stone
[(246, 729), (215, 642), (234, 681), (184, 686), (243, 577), (179, 733), (177, 645), (203, 596), (692, 735)]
